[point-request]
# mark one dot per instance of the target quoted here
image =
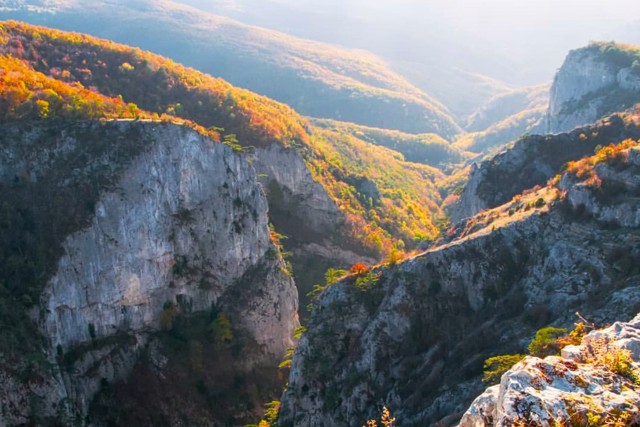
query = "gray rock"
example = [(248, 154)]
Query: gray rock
[(550, 390), (183, 222)]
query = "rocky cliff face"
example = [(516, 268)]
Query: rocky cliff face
[(292, 190), (587, 385), (533, 160), (302, 210), (177, 225), (593, 81), (414, 336)]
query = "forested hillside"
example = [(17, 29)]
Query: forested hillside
[(316, 79)]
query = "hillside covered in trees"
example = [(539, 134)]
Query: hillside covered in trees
[(316, 79)]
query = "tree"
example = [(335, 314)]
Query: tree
[(169, 313), (358, 268), (546, 342), (495, 367), (221, 330), (42, 108)]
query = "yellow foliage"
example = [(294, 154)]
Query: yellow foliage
[(386, 419), (584, 169)]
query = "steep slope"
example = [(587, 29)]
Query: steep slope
[(419, 40), (316, 79), (594, 383), (316, 195), (594, 81), (413, 336), (113, 232), (535, 159)]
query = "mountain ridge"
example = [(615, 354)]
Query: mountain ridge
[(316, 79)]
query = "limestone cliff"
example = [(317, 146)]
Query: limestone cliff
[(292, 190), (413, 336), (170, 224), (593, 81), (591, 384)]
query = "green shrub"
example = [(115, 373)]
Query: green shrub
[(271, 415), (367, 281), (546, 342), (496, 366), (614, 358), (221, 330)]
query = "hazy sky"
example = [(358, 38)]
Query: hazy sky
[(534, 35)]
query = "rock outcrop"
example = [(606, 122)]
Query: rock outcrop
[(593, 81), (414, 336), (173, 224), (533, 160), (293, 192), (595, 383)]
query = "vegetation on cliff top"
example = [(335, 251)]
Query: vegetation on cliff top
[(619, 55), (154, 83)]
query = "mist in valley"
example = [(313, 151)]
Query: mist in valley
[(518, 42)]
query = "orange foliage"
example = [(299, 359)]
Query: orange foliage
[(154, 83), (28, 95), (359, 268), (584, 169), (401, 214)]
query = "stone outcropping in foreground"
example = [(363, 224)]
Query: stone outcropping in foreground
[(589, 384)]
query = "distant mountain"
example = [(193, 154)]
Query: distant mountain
[(463, 92), (508, 130), (418, 46), (505, 118), (506, 105), (316, 79), (460, 52), (594, 81), (429, 149)]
